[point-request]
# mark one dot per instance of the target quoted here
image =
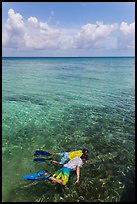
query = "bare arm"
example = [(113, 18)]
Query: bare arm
[(55, 162), (54, 154), (78, 174)]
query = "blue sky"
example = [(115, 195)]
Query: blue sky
[(68, 28)]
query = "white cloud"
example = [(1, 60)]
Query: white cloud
[(41, 36), (93, 35), (127, 29), (126, 38), (33, 20), (4, 36), (44, 26), (13, 30), (33, 34), (15, 20)]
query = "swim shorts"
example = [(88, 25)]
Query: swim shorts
[(63, 174)]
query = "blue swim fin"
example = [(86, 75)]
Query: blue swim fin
[(32, 176), (41, 152), (42, 159), (39, 179)]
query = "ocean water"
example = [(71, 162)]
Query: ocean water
[(64, 104)]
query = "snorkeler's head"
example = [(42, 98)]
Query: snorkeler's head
[(84, 157), (84, 151)]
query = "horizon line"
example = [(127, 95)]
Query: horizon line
[(62, 56)]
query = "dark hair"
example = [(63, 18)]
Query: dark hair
[(84, 150), (84, 156)]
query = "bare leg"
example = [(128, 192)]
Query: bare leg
[(55, 180)]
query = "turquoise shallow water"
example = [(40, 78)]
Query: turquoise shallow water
[(62, 104)]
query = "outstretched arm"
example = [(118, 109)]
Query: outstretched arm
[(54, 154), (55, 162), (78, 174)]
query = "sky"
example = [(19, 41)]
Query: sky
[(68, 29)]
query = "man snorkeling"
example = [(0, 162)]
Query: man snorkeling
[(66, 156), (62, 175)]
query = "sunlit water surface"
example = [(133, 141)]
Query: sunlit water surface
[(63, 104)]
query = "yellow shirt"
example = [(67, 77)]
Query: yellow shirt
[(75, 153)]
